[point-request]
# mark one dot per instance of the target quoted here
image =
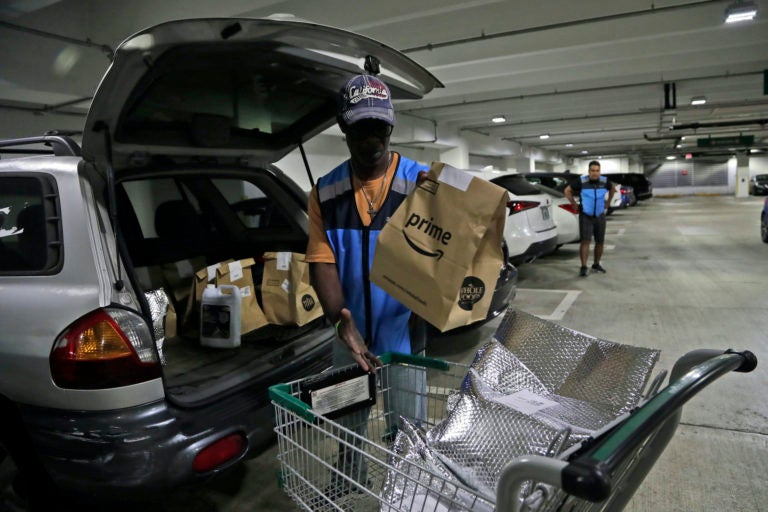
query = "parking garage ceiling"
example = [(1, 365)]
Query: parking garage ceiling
[(609, 78)]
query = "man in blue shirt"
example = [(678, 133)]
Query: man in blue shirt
[(591, 189)]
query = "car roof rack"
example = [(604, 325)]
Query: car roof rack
[(61, 145)]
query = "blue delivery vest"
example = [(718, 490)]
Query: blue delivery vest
[(593, 196), (382, 320)]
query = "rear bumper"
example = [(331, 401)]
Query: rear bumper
[(136, 453), (535, 250)]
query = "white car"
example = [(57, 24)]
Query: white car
[(565, 214), (616, 202), (530, 229)]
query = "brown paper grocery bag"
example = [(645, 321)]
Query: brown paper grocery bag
[(440, 253), (176, 278), (238, 273), (286, 294)]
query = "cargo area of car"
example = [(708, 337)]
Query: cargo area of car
[(172, 237)]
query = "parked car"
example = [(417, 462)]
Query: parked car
[(530, 229), (628, 197), (642, 186), (618, 199), (174, 175), (554, 180), (758, 184), (565, 214), (560, 180), (764, 221)]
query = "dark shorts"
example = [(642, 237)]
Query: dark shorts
[(592, 226)]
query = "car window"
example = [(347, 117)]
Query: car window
[(30, 233), (221, 102), (157, 196), (252, 205), (761, 178), (518, 185)]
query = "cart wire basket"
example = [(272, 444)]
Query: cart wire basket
[(378, 457)]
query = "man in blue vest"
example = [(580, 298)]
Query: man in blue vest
[(592, 212), (347, 210)]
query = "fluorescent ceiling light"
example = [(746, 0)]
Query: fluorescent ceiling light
[(698, 100), (544, 136), (670, 157), (569, 145), (584, 151), (740, 11), (499, 119)]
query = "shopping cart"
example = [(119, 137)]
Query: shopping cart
[(350, 463)]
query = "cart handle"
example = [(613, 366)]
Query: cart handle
[(426, 362), (587, 474), (281, 393)]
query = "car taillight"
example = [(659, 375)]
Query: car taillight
[(105, 349), (520, 206), (219, 453), (569, 208), (624, 190)]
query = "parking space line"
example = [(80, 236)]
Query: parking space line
[(562, 308)]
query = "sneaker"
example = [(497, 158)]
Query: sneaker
[(583, 272), (598, 268)]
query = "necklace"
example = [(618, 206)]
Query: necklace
[(371, 210)]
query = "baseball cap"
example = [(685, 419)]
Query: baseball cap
[(366, 97)]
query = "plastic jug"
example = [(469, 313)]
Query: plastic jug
[(220, 316)]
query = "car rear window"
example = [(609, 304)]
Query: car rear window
[(517, 184), (254, 209), (248, 100), (30, 227)]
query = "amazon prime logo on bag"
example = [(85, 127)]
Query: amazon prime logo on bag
[(307, 302), (429, 228), (472, 290)]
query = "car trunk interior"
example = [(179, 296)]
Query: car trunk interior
[(177, 222)]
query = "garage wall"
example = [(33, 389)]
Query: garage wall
[(714, 175)]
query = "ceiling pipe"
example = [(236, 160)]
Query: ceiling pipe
[(46, 109), (718, 124), (509, 33), (106, 49), (696, 126), (585, 90)]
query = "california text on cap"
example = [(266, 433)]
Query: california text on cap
[(366, 97)]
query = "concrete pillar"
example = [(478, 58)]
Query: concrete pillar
[(742, 174), (524, 164), (456, 156)]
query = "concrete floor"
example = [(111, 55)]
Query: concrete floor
[(683, 273)]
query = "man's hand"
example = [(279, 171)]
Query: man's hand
[(348, 334)]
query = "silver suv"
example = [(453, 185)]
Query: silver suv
[(175, 174)]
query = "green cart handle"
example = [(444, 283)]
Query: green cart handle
[(281, 393), (423, 361)]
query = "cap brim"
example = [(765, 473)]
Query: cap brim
[(384, 114)]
